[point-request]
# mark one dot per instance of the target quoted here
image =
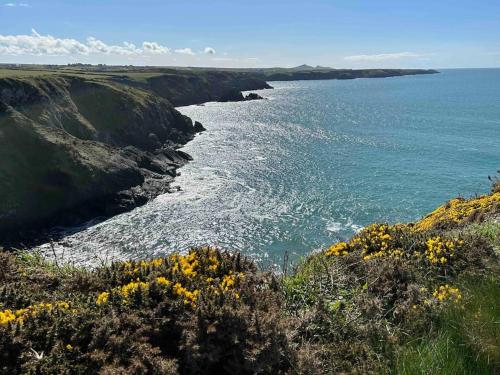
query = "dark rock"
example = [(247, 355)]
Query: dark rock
[(253, 96), (198, 127), (233, 95), (75, 148)]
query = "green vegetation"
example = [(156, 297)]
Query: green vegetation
[(61, 145), (420, 298), (80, 141), (464, 339), (204, 312)]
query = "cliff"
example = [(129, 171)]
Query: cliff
[(78, 144), (326, 73), (74, 147)]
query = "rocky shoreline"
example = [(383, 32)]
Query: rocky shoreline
[(84, 145)]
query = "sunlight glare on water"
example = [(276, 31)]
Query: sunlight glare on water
[(314, 163)]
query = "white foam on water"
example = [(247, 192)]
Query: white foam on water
[(308, 168)]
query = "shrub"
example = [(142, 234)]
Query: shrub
[(206, 310)]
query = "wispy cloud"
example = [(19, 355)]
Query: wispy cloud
[(384, 56), (209, 51), (48, 45), (12, 5), (185, 51)]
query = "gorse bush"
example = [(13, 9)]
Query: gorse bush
[(359, 302), (206, 311), (404, 299), (461, 211)]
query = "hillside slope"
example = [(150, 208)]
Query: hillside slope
[(76, 144), (75, 147), (416, 298)]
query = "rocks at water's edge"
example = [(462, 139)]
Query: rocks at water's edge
[(237, 96), (198, 127), (253, 96), (75, 147)]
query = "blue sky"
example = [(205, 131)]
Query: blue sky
[(337, 33)]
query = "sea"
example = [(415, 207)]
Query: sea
[(312, 164)]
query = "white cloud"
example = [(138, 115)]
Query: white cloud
[(384, 56), (209, 51), (155, 48), (43, 48), (47, 45), (185, 51), (36, 44), (98, 46)]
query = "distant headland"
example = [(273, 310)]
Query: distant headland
[(84, 141)]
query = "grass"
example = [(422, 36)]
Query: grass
[(377, 304), (24, 73), (490, 230), (463, 340), (41, 73), (32, 261)]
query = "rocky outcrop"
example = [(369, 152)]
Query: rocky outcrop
[(237, 96), (74, 146), (187, 87), (253, 96), (233, 95), (328, 73), (198, 127), (74, 149)]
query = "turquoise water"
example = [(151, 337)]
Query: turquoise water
[(314, 163)]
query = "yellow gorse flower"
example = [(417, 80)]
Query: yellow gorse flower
[(190, 297), (340, 248), (198, 267), (446, 292), (440, 251), (383, 240), (186, 264), (163, 281), (457, 210), (32, 311), (6, 317), (132, 287), (131, 268), (374, 241), (102, 298)]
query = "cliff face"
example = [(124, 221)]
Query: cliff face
[(78, 144), (316, 74), (63, 150), (186, 88), (97, 110)]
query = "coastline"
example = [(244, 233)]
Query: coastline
[(409, 286), (151, 160)]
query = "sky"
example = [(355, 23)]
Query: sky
[(253, 33)]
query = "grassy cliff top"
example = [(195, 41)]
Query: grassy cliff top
[(143, 73), (418, 298)]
